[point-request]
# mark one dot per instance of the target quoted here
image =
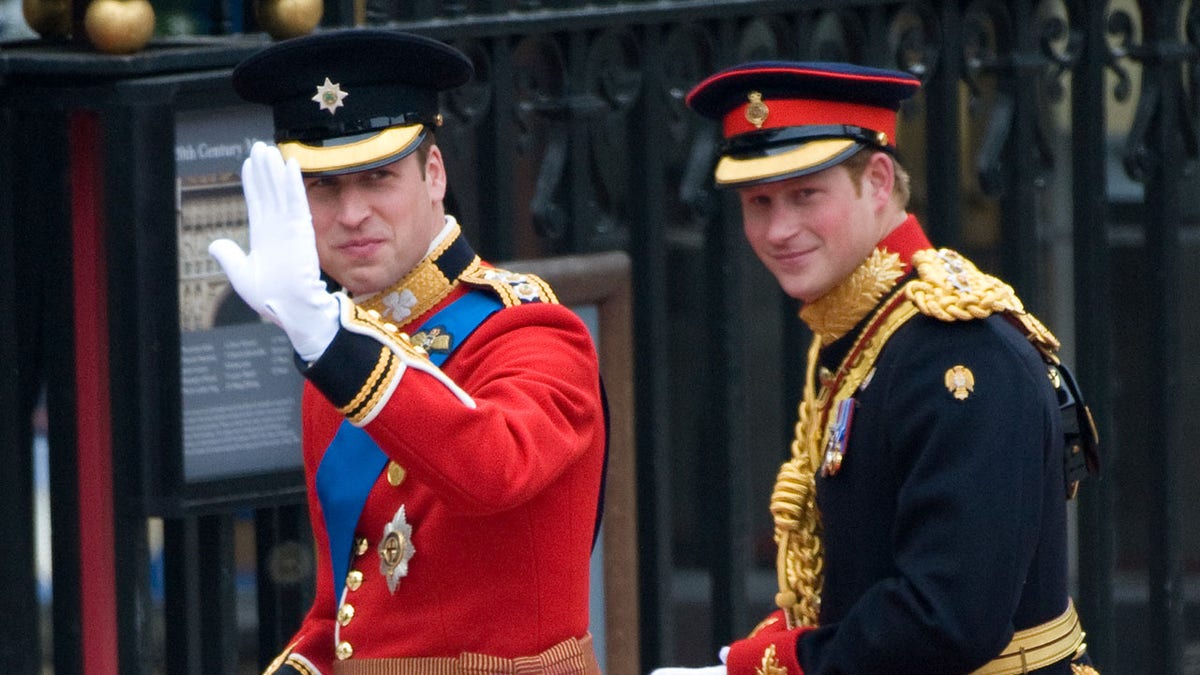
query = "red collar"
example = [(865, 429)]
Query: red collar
[(906, 240)]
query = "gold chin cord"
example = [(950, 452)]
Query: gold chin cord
[(799, 563)]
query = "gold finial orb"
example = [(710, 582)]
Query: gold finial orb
[(48, 18), (119, 26), (283, 19)]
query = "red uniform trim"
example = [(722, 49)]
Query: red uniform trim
[(97, 573), (747, 656), (906, 240), (740, 74)]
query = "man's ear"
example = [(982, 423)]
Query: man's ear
[(435, 174), (879, 178)]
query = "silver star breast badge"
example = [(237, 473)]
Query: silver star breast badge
[(395, 550), (329, 96)]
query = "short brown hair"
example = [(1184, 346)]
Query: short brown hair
[(901, 189), (422, 151)]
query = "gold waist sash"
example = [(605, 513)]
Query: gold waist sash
[(1039, 646), (569, 657)]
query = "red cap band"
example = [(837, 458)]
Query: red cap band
[(805, 112)]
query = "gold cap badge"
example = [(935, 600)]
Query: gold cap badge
[(329, 96), (756, 111), (960, 381)]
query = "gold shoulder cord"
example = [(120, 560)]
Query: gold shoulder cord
[(951, 288), (800, 559), (512, 287)]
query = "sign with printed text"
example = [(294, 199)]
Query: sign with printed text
[(240, 389)]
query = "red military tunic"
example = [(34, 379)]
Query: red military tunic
[(498, 481)]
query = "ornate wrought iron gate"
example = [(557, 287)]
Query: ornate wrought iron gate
[(1055, 141)]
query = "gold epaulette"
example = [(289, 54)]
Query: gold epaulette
[(512, 287), (950, 288)]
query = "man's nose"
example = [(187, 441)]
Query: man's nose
[(352, 211), (781, 225)]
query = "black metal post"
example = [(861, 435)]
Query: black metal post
[(1093, 324), (20, 312), (284, 574), (648, 249), (1162, 79), (1019, 80), (943, 165)]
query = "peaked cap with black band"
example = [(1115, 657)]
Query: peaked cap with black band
[(353, 99), (784, 119)]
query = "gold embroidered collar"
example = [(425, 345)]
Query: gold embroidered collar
[(427, 284), (833, 315)]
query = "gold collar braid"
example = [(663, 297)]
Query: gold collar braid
[(428, 283), (833, 315)]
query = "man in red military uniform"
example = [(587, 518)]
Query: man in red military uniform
[(453, 421), (920, 517)]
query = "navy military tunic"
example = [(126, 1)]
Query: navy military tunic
[(943, 518), (945, 527)]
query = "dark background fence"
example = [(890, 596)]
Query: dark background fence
[(1054, 142)]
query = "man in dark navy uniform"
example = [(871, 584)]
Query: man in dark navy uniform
[(454, 426), (921, 516)]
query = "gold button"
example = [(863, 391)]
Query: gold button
[(354, 579), (345, 613), (344, 650), (361, 545), (395, 474)]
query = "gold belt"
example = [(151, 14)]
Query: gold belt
[(569, 657), (1040, 646)]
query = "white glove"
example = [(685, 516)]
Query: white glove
[(708, 670), (281, 277)]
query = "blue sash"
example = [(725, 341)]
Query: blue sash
[(352, 463)]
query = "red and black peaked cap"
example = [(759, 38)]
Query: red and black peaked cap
[(784, 119), (352, 99)]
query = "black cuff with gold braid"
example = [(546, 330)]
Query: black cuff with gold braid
[(361, 367)]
